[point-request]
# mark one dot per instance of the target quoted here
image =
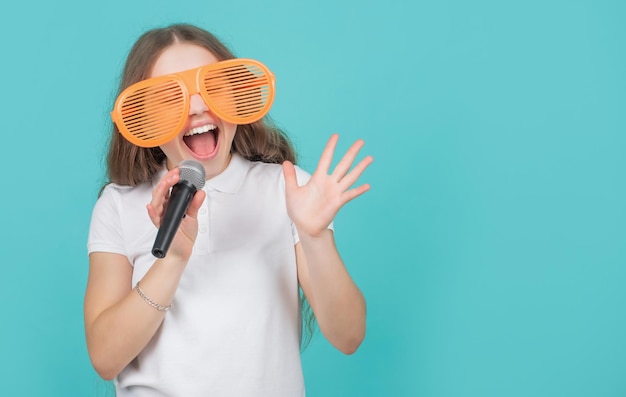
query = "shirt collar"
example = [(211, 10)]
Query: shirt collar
[(231, 179)]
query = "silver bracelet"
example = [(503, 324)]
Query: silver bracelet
[(150, 301)]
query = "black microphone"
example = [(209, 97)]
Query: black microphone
[(192, 177)]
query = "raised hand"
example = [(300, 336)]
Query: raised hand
[(313, 206), (183, 242)]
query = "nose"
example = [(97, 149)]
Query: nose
[(197, 106)]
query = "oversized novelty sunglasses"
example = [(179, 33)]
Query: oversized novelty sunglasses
[(153, 111)]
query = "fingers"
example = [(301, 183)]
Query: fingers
[(289, 173), (354, 193), (327, 155), (342, 173), (353, 176), (196, 203), (160, 196), (349, 179), (346, 162)]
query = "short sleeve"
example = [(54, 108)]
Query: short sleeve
[(105, 229)]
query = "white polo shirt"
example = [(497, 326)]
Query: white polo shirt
[(234, 326)]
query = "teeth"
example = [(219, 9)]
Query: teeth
[(201, 130)]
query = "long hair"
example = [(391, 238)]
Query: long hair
[(128, 164)]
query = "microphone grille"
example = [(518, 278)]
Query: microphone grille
[(193, 172)]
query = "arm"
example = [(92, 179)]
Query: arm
[(118, 322), (337, 302), (335, 299)]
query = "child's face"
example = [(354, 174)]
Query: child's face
[(205, 137)]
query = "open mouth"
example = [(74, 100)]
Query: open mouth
[(202, 141)]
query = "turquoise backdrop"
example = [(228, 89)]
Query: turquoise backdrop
[(491, 248)]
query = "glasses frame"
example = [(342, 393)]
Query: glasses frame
[(228, 95)]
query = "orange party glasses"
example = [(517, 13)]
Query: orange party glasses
[(153, 111)]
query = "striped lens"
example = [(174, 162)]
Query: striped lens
[(150, 115), (240, 93)]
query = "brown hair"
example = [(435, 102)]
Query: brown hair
[(128, 164)]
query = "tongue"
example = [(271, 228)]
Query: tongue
[(201, 144)]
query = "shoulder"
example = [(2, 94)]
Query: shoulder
[(129, 193), (119, 215), (113, 190), (122, 198), (271, 171)]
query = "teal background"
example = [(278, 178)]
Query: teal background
[(491, 246)]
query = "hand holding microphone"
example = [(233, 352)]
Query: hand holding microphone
[(192, 178)]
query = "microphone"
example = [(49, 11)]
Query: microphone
[(192, 178)]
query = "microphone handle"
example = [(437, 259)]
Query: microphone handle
[(177, 206)]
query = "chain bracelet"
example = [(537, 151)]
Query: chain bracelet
[(150, 301)]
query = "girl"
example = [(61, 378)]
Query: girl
[(219, 315)]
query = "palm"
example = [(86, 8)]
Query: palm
[(313, 206)]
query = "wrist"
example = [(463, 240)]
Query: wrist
[(173, 262), (315, 237)]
